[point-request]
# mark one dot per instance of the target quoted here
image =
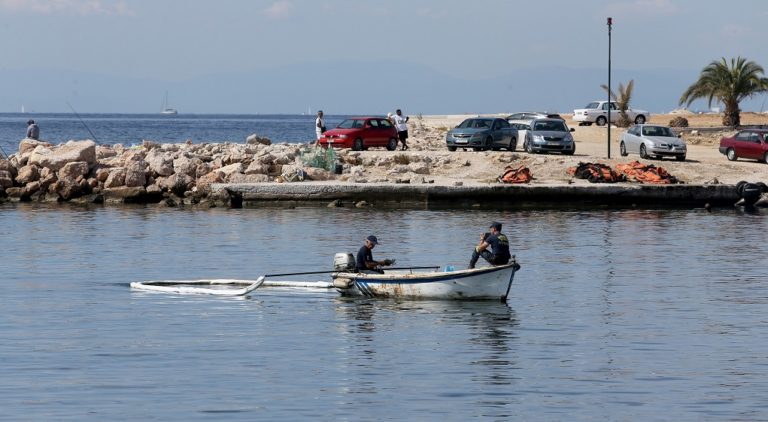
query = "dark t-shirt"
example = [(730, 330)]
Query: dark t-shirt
[(500, 246), (363, 255)]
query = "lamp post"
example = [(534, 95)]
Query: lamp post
[(610, 23)]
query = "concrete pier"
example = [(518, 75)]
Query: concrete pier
[(388, 195)]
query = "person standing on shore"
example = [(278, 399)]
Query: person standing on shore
[(499, 254), (33, 131), (402, 128), (319, 126)]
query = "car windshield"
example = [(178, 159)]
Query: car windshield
[(547, 125), (351, 124), (657, 131), (475, 124)]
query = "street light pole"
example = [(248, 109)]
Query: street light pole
[(610, 23)]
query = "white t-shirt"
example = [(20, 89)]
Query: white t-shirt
[(400, 122), (319, 123)]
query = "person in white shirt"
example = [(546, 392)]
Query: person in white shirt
[(319, 126), (402, 129)]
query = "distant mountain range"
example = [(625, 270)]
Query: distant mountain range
[(342, 88)]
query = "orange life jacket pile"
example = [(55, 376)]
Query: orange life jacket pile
[(521, 174), (646, 173), (596, 173)]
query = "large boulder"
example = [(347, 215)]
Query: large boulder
[(255, 139), (135, 174), (27, 174), (176, 183), (73, 170), (8, 166), (6, 179), (204, 183), (57, 157), (257, 168), (315, 173), (185, 165), (116, 178), (231, 169), (28, 145), (159, 163)]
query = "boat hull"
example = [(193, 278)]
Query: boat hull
[(489, 283)]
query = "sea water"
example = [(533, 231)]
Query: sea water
[(615, 315)]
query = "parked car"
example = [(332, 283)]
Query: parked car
[(597, 112), (647, 140), (482, 133), (549, 135), (522, 126), (530, 115), (361, 133), (747, 143)]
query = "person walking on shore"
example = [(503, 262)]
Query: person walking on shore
[(33, 131), (402, 128), (319, 126), (499, 254)]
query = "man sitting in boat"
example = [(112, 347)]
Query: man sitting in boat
[(365, 263), (499, 253)]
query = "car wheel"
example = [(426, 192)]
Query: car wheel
[(392, 144), (601, 121), (623, 149), (528, 147), (731, 154), (357, 145), (451, 149), (680, 158), (643, 152), (512, 145), (765, 158), (489, 143), (640, 119)]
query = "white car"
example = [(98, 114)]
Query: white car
[(597, 112), (652, 140)]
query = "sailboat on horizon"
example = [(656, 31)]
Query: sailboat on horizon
[(166, 109)]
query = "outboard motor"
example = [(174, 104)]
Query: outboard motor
[(749, 193), (344, 262)]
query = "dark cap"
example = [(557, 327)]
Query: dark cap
[(30, 121), (496, 225), (372, 239)]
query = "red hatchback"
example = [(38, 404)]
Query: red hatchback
[(361, 133), (747, 143)]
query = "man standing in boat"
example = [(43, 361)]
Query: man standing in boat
[(499, 253), (365, 263)]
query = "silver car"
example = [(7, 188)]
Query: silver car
[(652, 140), (549, 135)]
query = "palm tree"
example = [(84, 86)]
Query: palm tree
[(622, 101), (728, 84)]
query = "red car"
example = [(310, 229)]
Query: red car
[(747, 143), (361, 133)]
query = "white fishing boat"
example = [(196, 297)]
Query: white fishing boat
[(166, 109), (486, 283)]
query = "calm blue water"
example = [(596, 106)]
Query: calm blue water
[(129, 129), (616, 315)]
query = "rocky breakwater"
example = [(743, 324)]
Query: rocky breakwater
[(181, 174)]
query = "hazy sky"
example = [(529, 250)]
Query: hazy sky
[(166, 40)]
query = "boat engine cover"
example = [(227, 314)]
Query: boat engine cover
[(344, 262)]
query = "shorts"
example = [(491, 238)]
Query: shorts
[(403, 135), (319, 135)]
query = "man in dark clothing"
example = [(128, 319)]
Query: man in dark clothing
[(499, 253), (33, 131), (365, 263)]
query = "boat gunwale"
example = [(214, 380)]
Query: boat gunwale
[(427, 277)]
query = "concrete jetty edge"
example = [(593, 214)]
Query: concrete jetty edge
[(441, 196)]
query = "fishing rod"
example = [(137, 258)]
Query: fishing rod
[(81, 121), (3, 151)]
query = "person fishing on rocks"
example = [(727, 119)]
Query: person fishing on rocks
[(499, 244), (365, 263)]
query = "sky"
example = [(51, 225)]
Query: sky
[(292, 56)]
